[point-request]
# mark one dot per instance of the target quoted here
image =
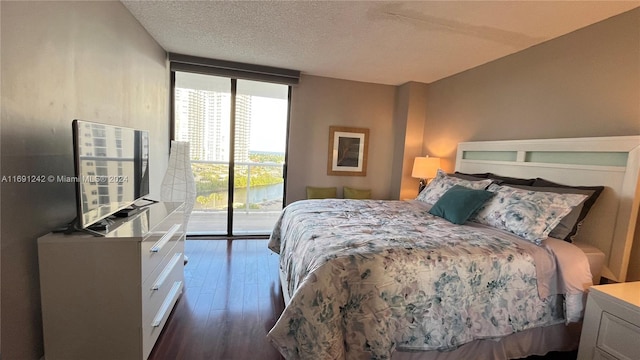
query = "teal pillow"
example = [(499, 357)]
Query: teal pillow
[(458, 203)]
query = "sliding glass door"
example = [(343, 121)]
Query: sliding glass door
[(237, 131), (260, 141)]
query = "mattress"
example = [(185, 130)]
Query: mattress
[(595, 258)]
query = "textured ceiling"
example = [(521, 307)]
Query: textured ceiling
[(380, 42)]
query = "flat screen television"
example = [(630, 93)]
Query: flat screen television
[(111, 169)]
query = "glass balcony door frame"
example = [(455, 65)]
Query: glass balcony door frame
[(232, 132)]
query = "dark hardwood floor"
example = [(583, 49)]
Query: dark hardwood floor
[(232, 298)]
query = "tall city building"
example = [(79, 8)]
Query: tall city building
[(202, 118), (243, 127)]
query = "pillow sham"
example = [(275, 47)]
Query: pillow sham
[(442, 182), (507, 180), (472, 177), (568, 226), (588, 203), (529, 214), (352, 193), (458, 203), (498, 179)]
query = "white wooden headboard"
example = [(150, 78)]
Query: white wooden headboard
[(613, 162)]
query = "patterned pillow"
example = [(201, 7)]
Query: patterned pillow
[(442, 182), (528, 214), (588, 203), (568, 226)]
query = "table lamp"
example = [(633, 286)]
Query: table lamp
[(425, 168)]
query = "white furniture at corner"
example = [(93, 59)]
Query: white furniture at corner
[(611, 327), (109, 297)]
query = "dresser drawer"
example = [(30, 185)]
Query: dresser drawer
[(611, 326), (157, 245), (155, 286), (618, 337), (602, 355), (159, 293)]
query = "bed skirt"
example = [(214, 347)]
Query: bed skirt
[(536, 341)]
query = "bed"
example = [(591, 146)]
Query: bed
[(389, 279)]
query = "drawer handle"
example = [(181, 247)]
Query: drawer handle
[(166, 305), (166, 271), (164, 239)]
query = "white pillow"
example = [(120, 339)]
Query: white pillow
[(528, 214), (443, 182)]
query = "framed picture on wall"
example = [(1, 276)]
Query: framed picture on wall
[(347, 151)]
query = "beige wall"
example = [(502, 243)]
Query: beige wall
[(319, 102), (411, 99), (586, 83), (60, 61)]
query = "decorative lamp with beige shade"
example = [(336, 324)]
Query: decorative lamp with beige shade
[(425, 168)]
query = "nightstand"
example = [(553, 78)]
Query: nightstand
[(611, 327)]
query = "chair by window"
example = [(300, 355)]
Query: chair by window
[(321, 192), (353, 193)]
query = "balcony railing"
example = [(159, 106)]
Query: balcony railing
[(257, 200)]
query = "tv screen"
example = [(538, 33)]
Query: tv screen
[(111, 169)]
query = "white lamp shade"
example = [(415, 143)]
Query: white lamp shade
[(425, 167), (178, 183)]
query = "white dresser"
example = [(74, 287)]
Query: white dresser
[(611, 328), (109, 297)]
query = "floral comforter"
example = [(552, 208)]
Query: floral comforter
[(367, 277)]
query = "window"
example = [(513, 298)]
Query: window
[(236, 122)]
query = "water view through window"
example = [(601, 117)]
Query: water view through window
[(203, 116)]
